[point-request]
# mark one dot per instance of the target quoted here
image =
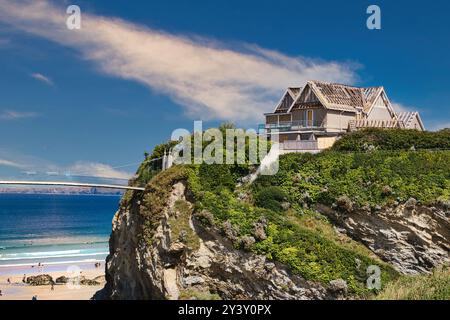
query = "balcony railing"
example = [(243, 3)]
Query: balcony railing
[(293, 125)]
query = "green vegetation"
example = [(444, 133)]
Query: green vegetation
[(193, 294), (393, 139), (271, 198), (283, 205), (424, 287), (155, 199), (372, 178), (179, 222)]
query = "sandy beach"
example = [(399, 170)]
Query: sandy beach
[(17, 290)]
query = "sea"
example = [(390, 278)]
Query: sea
[(54, 231)]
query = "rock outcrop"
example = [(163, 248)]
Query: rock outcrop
[(412, 237), (179, 265), (40, 280)]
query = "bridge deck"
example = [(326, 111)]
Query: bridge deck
[(70, 184)]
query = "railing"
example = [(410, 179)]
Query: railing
[(363, 123), (293, 125), (300, 145)]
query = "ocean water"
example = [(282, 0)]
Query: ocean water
[(54, 230)]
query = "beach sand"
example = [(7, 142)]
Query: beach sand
[(17, 290)]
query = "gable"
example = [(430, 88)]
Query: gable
[(284, 104), (306, 99), (308, 96), (381, 109), (411, 120)]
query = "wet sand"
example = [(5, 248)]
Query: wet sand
[(18, 290)]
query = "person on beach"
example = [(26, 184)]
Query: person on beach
[(24, 279), (9, 281), (34, 298), (1, 293)]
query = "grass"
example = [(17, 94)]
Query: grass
[(194, 294), (423, 287), (181, 230)]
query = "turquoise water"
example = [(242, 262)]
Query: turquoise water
[(54, 229)]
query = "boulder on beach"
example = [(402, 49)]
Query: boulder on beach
[(62, 280), (89, 282), (40, 280)]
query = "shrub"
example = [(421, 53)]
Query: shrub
[(270, 198), (214, 176), (393, 139)]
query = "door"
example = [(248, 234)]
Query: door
[(309, 118)]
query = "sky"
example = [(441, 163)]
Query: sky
[(91, 101)]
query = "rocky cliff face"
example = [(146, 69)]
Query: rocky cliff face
[(204, 265), (412, 237), (170, 253)]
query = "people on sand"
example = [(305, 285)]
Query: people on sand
[(8, 280), (24, 279), (34, 298), (1, 293)]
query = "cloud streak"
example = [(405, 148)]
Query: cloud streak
[(40, 77), (98, 170), (8, 163), (15, 115), (399, 107), (210, 79), (18, 161)]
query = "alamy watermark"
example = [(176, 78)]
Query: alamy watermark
[(374, 20), (73, 22)]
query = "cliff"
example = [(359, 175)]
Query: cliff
[(312, 231), (186, 260)]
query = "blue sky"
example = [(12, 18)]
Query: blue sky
[(98, 98)]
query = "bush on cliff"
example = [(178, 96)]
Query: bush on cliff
[(393, 139), (362, 177)]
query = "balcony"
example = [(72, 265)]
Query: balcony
[(298, 125)]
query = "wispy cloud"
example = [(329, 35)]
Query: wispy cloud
[(98, 170), (15, 115), (79, 169), (40, 77), (399, 107), (8, 163), (210, 79)]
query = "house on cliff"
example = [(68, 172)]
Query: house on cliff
[(312, 117)]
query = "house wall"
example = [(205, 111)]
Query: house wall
[(325, 142), (338, 120), (415, 124), (273, 119), (380, 111), (319, 115), (285, 117)]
